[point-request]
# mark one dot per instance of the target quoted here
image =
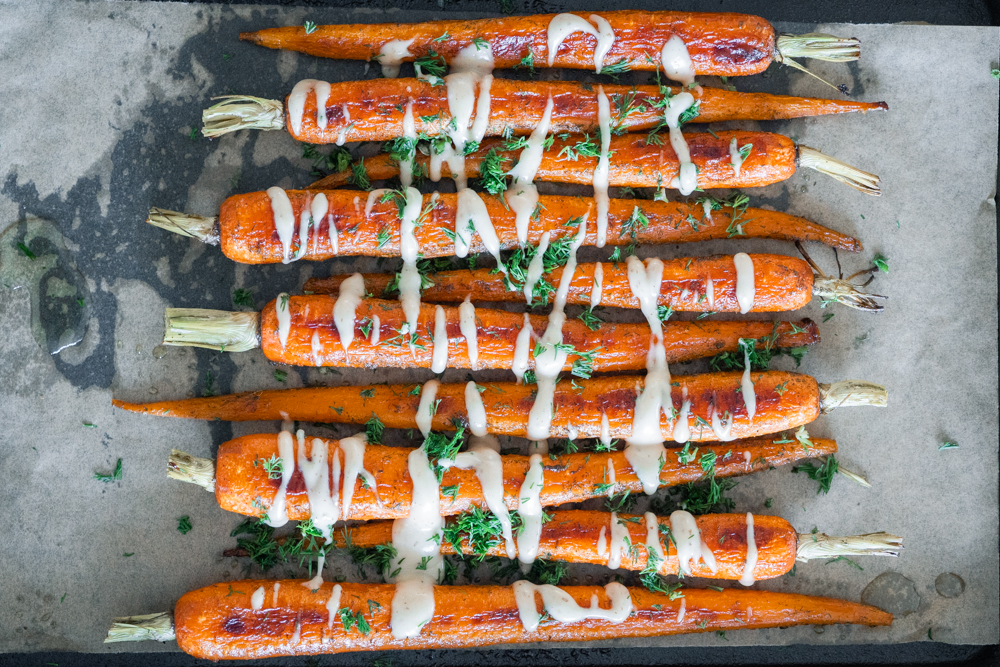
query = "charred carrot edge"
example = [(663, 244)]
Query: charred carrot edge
[(784, 400), (218, 622), (246, 225), (246, 489), (721, 44), (780, 284), (375, 108), (572, 536), (637, 163)]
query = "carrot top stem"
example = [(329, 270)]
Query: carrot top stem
[(818, 46), (192, 469), (861, 181), (821, 545), (242, 112), (851, 393), (845, 293), (204, 229), (220, 330), (148, 627)]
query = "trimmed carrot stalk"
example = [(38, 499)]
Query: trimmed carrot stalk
[(373, 110), (219, 622), (721, 44), (246, 229), (313, 338), (783, 400), (637, 163), (781, 283), (243, 485)]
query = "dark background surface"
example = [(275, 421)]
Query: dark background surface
[(854, 11)]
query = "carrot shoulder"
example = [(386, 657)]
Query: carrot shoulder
[(218, 622)]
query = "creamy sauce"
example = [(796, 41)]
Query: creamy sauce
[(687, 540), (605, 430), (318, 209), (653, 544), (297, 103), (605, 39), (710, 293), (277, 515), (747, 578), (535, 267), (439, 358), (736, 158), (376, 329), (602, 542), (676, 61), (745, 290), (746, 459), (522, 347), (529, 508), (601, 172), (475, 409), (284, 317), (522, 195), (610, 476), (472, 217), (747, 388), (352, 291), (424, 415), (680, 614), (392, 54), (489, 470), (471, 67), (354, 461), (342, 132), (257, 599), (595, 288), (332, 606), (619, 538), (277, 585), (722, 427), (682, 429), (321, 490), (561, 606), (284, 220), (317, 349), (562, 26), (467, 325), (409, 250), (687, 178), (373, 197)]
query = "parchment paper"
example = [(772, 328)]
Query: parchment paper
[(99, 101)]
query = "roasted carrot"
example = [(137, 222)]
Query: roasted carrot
[(372, 110), (780, 284), (638, 163), (783, 401), (313, 338), (246, 228), (718, 43), (243, 485), (219, 622)]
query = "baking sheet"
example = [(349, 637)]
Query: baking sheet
[(99, 101)]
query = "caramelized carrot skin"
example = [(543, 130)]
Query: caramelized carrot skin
[(622, 346), (375, 108), (218, 622), (245, 488), (784, 400), (248, 234), (572, 536), (635, 163), (719, 43), (781, 283)]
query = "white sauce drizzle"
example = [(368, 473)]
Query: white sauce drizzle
[(318, 210), (342, 132), (605, 38), (746, 460), (489, 470), (324, 508), (747, 578), (409, 250), (687, 539), (297, 103), (747, 388), (535, 267), (257, 599), (653, 536), (682, 430), (562, 26), (284, 220), (736, 158), (619, 536), (424, 416), (296, 634), (467, 325), (687, 179), (530, 510), (392, 54), (595, 289), (277, 585), (710, 292), (439, 358), (373, 196), (601, 172), (354, 461), (676, 61), (281, 312), (472, 217), (333, 606), (317, 349), (561, 606), (602, 542), (522, 195), (277, 515), (722, 427), (522, 347), (706, 209), (475, 409), (605, 429), (376, 330), (680, 614), (352, 291), (611, 476), (745, 290), (472, 66)]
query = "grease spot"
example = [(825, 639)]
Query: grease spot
[(892, 592), (949, 585)]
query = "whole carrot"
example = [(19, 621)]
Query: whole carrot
[(373, 110), (782, 401), (371, 335), (360, 223), (719, 44), (243, 484), (639, 162), (223, 621)]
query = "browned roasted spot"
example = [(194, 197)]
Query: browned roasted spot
[(234, 626)]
